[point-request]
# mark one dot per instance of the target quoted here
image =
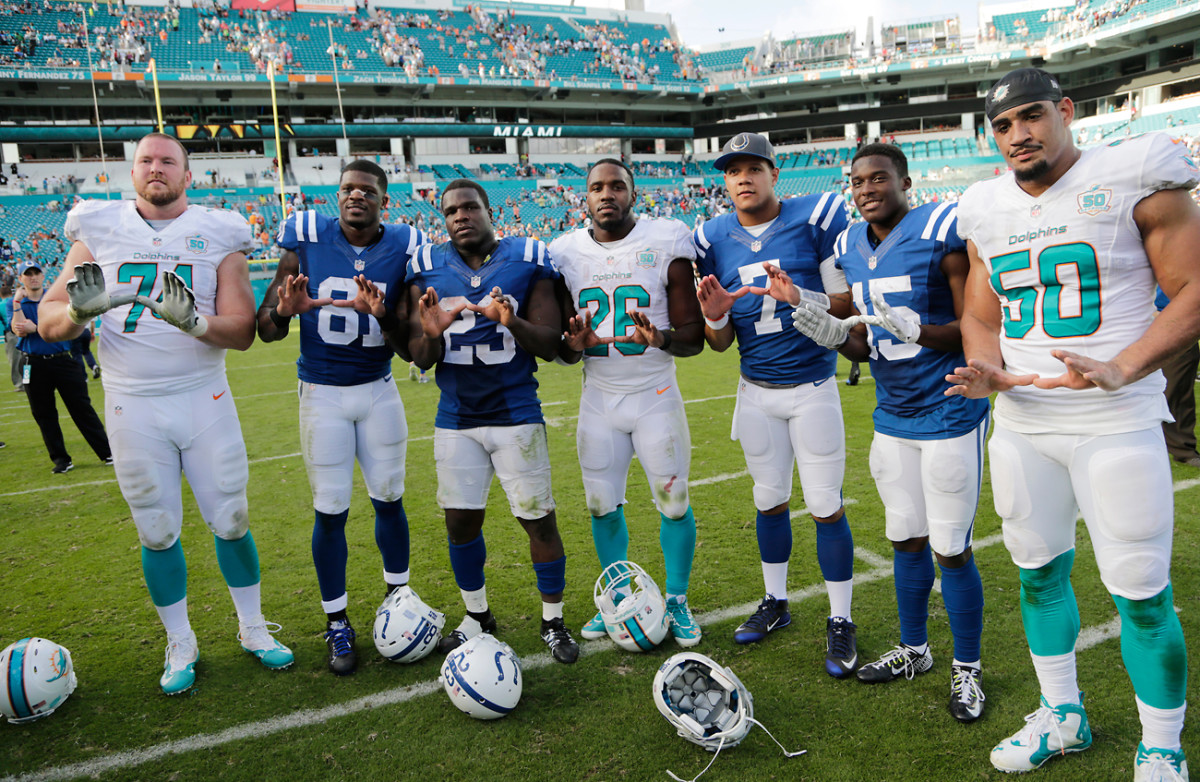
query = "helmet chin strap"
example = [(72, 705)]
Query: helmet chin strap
[(721, 746)]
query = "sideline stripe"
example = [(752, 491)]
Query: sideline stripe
[(1088, 638)]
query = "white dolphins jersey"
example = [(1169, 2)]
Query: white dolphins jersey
[(611, 279), (1071, 273), (141, 353)]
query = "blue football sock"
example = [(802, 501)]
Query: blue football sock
[(611, 537), (962, 592), (835, 549), (238, 560), (329, 553), (774, 533), (466, 560), (551, 576), (678, 540), (166, 574), (1153, 649), (1048, 607), (913, 574), (391, 534)]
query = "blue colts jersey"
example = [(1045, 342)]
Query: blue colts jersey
[(906, 268), (338, 346), (485, 377), (800, 238)]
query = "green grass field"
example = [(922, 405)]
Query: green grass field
[(70, 571)]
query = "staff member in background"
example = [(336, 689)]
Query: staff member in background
[(50, 368)]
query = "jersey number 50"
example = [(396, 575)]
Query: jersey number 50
[(1067, 310)]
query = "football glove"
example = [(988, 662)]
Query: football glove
[(821, 327), (88, 298), (178, 306), (907, 328)]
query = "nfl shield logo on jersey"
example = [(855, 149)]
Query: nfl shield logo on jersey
[(156, 241), (359, 265), (197, 244), (1094, 201), (872, 262), (475, 281), (755, 246), (1035, 210)]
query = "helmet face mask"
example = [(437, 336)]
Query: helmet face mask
[(705, 702), (483, 677), (36, 676), (406, 629), (634, 611)]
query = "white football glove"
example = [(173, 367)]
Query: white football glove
[(821, 327), (907, 328), (88, 298), (178, 306)]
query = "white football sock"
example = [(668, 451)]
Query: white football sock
[(1056, 677), (1161, 727)]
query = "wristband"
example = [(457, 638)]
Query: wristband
[(389, 321), (666, 335), (277, 319), (199, 328), (719, 323)]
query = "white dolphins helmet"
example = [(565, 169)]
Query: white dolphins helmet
[(483, 677), (36, 676), (634, 612), (705, 702), (406, 629)]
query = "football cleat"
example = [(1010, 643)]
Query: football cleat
[(771, 614), (1048, 732), (966, 693), (855, 373), (62, 466), (467, 629), (902, 661), (594, 628), (841, 651), (558, 638), (1159, 765), (683, 624), (36, 676), (413, 372), (258, 641), (339, 637), (179, 668)]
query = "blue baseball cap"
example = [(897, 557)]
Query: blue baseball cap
[(27, 265), (751, 144)]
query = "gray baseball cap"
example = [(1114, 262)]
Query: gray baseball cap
[(745, 144)]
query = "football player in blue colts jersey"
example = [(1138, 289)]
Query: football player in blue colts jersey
[(624, 274), (484, 310), (344, 278), (906, 270), (1065, 251), (786, 410), (172, 288)]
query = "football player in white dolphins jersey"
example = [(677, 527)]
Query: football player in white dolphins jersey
[(1059, 318), (632, 280), (167, 403), (787, 415), (349, 405)]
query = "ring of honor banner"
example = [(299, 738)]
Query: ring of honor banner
[(265, 5)]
